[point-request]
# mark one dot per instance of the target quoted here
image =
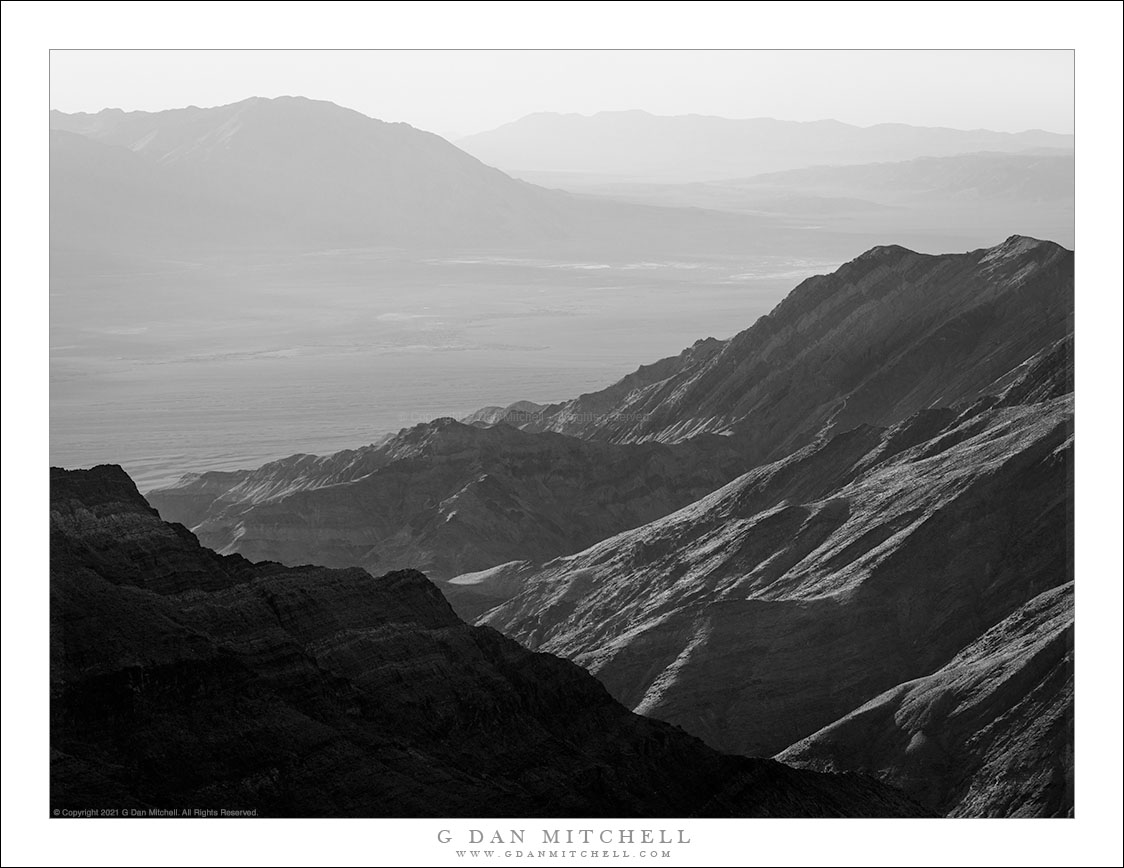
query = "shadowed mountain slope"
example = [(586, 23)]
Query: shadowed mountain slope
[(180, 677), (988, 734)]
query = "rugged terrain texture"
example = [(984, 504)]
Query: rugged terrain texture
[(871, 557), (181, 677), (889, 334), (989, 734), (907, 428), (446, 498)]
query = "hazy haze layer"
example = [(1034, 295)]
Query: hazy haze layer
[(234, 284), (194, 366)]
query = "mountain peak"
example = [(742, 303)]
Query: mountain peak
[(280, 170), (104, 483), (1017, 246), (1024, 242), (845, 334), (885, 252)]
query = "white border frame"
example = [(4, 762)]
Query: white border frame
[(1093, 29)]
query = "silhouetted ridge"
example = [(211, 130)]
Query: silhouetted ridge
[(315, 692), (97, 486)]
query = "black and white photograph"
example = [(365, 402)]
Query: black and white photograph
[(563, 454)]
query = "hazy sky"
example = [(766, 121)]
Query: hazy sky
[(460, 92)]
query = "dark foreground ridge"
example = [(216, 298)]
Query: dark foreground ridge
[(179, 677)]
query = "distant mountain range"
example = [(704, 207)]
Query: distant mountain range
[(1025, 177), (298, 174), (294, 173), (289, 169), (638, 146), (979, 194), (905, 425), (183, 679)]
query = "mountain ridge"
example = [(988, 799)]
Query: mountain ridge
[(865, 560), (766, 119), (935, 203), (182, 677), (872, 476), (937, 736), (445, 497), (847, 336), (640, 145), (312, 169), (296, 173), (839, 351)]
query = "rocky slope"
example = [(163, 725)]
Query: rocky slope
[(446, 498), (777, 605), (183, 678), (889, 334), (908, 421), (988, 734)]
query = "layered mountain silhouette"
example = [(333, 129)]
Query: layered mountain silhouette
[(888, 334), (181, 677), (288, 170), (265, 176), (974, 195), (1022, 177), (638, 146), (298, 174), (903, 433), (445, 497), (870, 558)]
